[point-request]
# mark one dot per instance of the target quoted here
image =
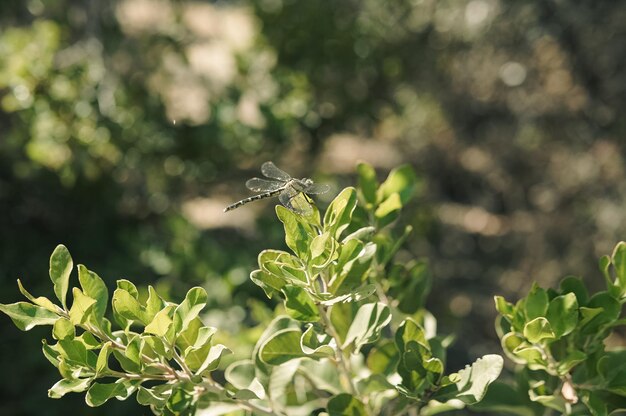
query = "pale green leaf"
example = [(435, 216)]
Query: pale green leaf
[(369, 321), (242, 375), (537, 330), (388, 210), (299, 304), (281, 347), (190, 308), (298, 231), (64, 386), (339, 212), (26, 315), (127, 306), (40, 301), (63, 329), (94, 287), (82, 306), (401, 180), (60, 268), (213, 359), (161, 323), (196, 354), (102, 364), (475, 379)]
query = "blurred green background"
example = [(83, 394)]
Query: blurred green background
[(126, 126)]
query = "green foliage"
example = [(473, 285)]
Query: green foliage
[(342, 291), (559, 340)]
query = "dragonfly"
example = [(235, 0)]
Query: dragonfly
[(291, 192)]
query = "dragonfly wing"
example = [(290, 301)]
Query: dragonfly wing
[(317, 189), (262, 185), (270, 170)]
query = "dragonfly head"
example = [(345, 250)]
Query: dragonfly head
[(307, 182)]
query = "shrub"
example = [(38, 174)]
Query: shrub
[(354, 338)]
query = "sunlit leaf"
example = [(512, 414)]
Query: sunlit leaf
[(26, 315), (60, 268)]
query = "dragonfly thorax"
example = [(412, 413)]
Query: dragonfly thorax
[(301, 185)]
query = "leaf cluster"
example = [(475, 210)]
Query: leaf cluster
[(559, 339), (353, 337)]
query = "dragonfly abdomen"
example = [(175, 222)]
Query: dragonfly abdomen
[(253, 198)]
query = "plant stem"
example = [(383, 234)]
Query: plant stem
[(344, 365)]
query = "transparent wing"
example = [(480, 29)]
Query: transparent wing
[(270, 170), (262, 185), (317, 188), (295, 201)]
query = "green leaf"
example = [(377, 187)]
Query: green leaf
[(536, 303), (339, 213), (532, 356), (345, 404), (128, 286), (572, 359), (40, 301), (402, 181), (316, 345), (102, 363), (367, 182), (179, 402), (132, 351), (280, 380), (64, 386), (323, 374), (369, 321), (128, 307), (383, 358), (50, 353), (126, 363), (212, 361), (281, 347), (161, 323), (151, 397), (26, 315), (99, 393), (299, 304), (189, 337), (537, 330), (322, 250), (298, 232), (389, 210), (503, 307), (563, 314), (154, 304), (242, 375), (197, 353), (353, 262), (76, 352), (94, 287), (82, 306), (63, 329), (575, 285), (60, 268), (475, 379), (619, 261), (412, 286), (190, 308)]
